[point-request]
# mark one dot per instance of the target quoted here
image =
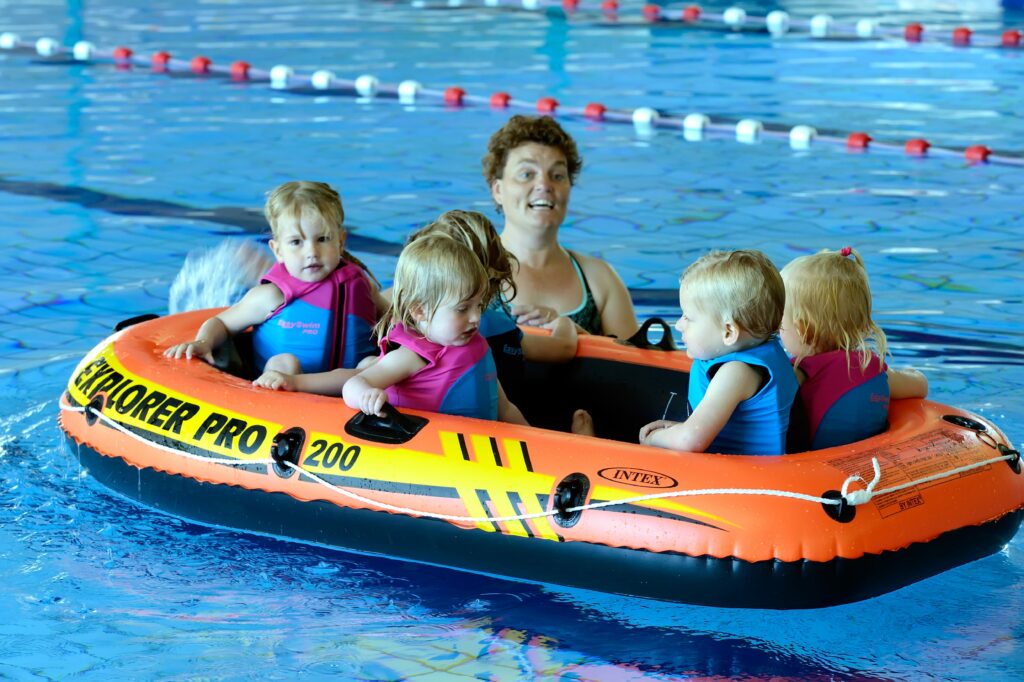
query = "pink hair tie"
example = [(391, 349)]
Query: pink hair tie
[(845, 251)]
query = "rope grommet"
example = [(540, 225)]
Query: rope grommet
[(843, 512), (94, 409), (285, 450), (570, 494), (1014, 461)]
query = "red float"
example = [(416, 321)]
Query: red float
[(201, 64), (912, 33), (500, 100), (691, 13), (917, 147), (240, 71), (1011, 38), (962, 36), (547, 105), (595, 110), (454, 95), (977, 153), (160, 60), (858, 140)]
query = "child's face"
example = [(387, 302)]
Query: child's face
[(791, 337), (310, 248), (454, 323), (703, 333)]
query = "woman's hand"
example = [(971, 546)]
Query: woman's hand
[(535, 316)]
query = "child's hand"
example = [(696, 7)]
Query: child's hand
[(658, 425), (276, 381), (199, 348), (372, 401), (536, 316)]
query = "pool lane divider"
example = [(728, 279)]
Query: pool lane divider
[(776, 23), (694, 126)]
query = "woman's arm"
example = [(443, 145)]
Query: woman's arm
[(365, 391), (618, 318), (735, 382), (559, 346), (907, 383)]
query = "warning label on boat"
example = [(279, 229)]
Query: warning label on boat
[(929, 454)]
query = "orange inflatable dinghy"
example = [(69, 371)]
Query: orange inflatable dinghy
[(939, 488)]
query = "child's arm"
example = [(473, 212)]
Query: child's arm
[(734, 383), (507, 411), (321, 383), (365, 391), (559, 347), (254, 308), (907, 383)]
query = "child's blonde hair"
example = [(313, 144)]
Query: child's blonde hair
[(829, 302), (293, 197), (431, 271), (739, 286), (477, 232)]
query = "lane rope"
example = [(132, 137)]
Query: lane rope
[(776, 23), (694, 126), (854, 498)]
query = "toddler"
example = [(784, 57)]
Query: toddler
[(314, 309), (509, 346), (432, 354), (741, 386), (838, 352)]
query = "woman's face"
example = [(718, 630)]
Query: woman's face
[(533, 190)]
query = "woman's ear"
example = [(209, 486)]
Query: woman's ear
[(496, 191)]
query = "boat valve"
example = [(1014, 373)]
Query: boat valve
[(570, 494), (285, 449)]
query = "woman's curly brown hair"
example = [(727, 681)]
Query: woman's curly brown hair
[(520, 130)]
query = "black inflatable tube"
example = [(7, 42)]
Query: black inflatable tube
[(664, 576)]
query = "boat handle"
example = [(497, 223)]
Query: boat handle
[(639, 340), (393, 428)]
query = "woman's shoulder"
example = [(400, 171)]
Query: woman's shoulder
[(598, 272)]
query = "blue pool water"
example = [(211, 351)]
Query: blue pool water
[(108, 178)]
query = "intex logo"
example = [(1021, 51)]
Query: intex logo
[(638, 477)]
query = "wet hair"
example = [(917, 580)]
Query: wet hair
[(829, 301), (743, 287), (520, 130), (476, 231), (292, 198), (432, 270)]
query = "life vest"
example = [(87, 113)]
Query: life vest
[(459, 380), (758, 424), (842, 403), (499, 329), (326, 324)]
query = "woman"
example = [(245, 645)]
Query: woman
[(530, 166)]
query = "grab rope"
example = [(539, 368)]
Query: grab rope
[(777, 23), (694, 126), (159, 446), (854, 498)]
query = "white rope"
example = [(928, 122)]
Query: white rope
[(187, 455), (854, 498)]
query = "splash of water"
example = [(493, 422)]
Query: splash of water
[(218, 276)]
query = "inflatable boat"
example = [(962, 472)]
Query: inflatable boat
[(941, 487)]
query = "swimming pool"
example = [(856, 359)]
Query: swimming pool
[(110, 177)]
